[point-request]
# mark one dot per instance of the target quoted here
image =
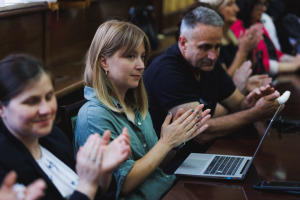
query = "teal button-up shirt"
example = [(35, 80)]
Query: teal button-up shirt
[(95, 117)]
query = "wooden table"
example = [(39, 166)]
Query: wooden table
[(277, 159)]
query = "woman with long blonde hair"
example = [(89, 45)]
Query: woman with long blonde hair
[(116, 96)]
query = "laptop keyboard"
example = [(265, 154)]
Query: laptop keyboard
[(224, 165)]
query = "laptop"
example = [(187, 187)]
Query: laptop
[(223, 166)]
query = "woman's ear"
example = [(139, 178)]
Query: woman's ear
[(103, 62)]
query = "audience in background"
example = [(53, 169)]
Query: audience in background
[(269, 25), (273, 60), (235, 51), (188, 74), (34, 148), (116, 96), (277, 10)]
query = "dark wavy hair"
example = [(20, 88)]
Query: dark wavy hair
[(246, 7), (16, 71)]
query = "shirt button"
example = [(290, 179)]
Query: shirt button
[(139, 123), (144, 145)]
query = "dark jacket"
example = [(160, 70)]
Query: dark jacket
[(15, 156)]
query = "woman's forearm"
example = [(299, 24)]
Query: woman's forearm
[(239, 58), (145, 166)]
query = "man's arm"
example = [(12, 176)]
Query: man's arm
[(224, 125)]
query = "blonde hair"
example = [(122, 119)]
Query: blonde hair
[(110, 37)]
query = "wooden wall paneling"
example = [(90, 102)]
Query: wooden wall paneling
[(66, 44), (171, 11), (158, 6), (60, 38), (69, 33), (22, 34)]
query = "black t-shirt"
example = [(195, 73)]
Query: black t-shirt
[(170, 83), (227, 53)]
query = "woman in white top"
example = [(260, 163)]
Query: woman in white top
[(34, 148)]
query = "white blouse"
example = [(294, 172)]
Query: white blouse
[(62, 176)]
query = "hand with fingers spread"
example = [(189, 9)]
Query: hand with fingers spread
[(119, 149), (88, 166), (257, 81), (184, 126), (33, 191), (241, 76), (250, 38), (263, 101), (258, 93), (114, 154), (267, 105), (97, 159), (246, 83)]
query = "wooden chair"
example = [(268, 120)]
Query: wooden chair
[(68, 115)]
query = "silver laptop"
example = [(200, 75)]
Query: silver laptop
[(223, 166)]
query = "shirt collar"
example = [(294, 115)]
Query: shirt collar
[(90, 94)]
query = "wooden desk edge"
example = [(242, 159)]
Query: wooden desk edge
[(21, 9), (68, 89)]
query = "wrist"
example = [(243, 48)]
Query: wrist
[(89, 189), (104, 182), (242, 53), (164, 146), (178, 148), (254, 114)]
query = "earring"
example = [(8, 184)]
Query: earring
[(106, 72)]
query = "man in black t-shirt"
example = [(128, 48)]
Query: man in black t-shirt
[(187, 75), (169, 84)]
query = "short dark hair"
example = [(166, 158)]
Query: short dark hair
[(186, 11), (246, 7), (202, 15), (16, 71)]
